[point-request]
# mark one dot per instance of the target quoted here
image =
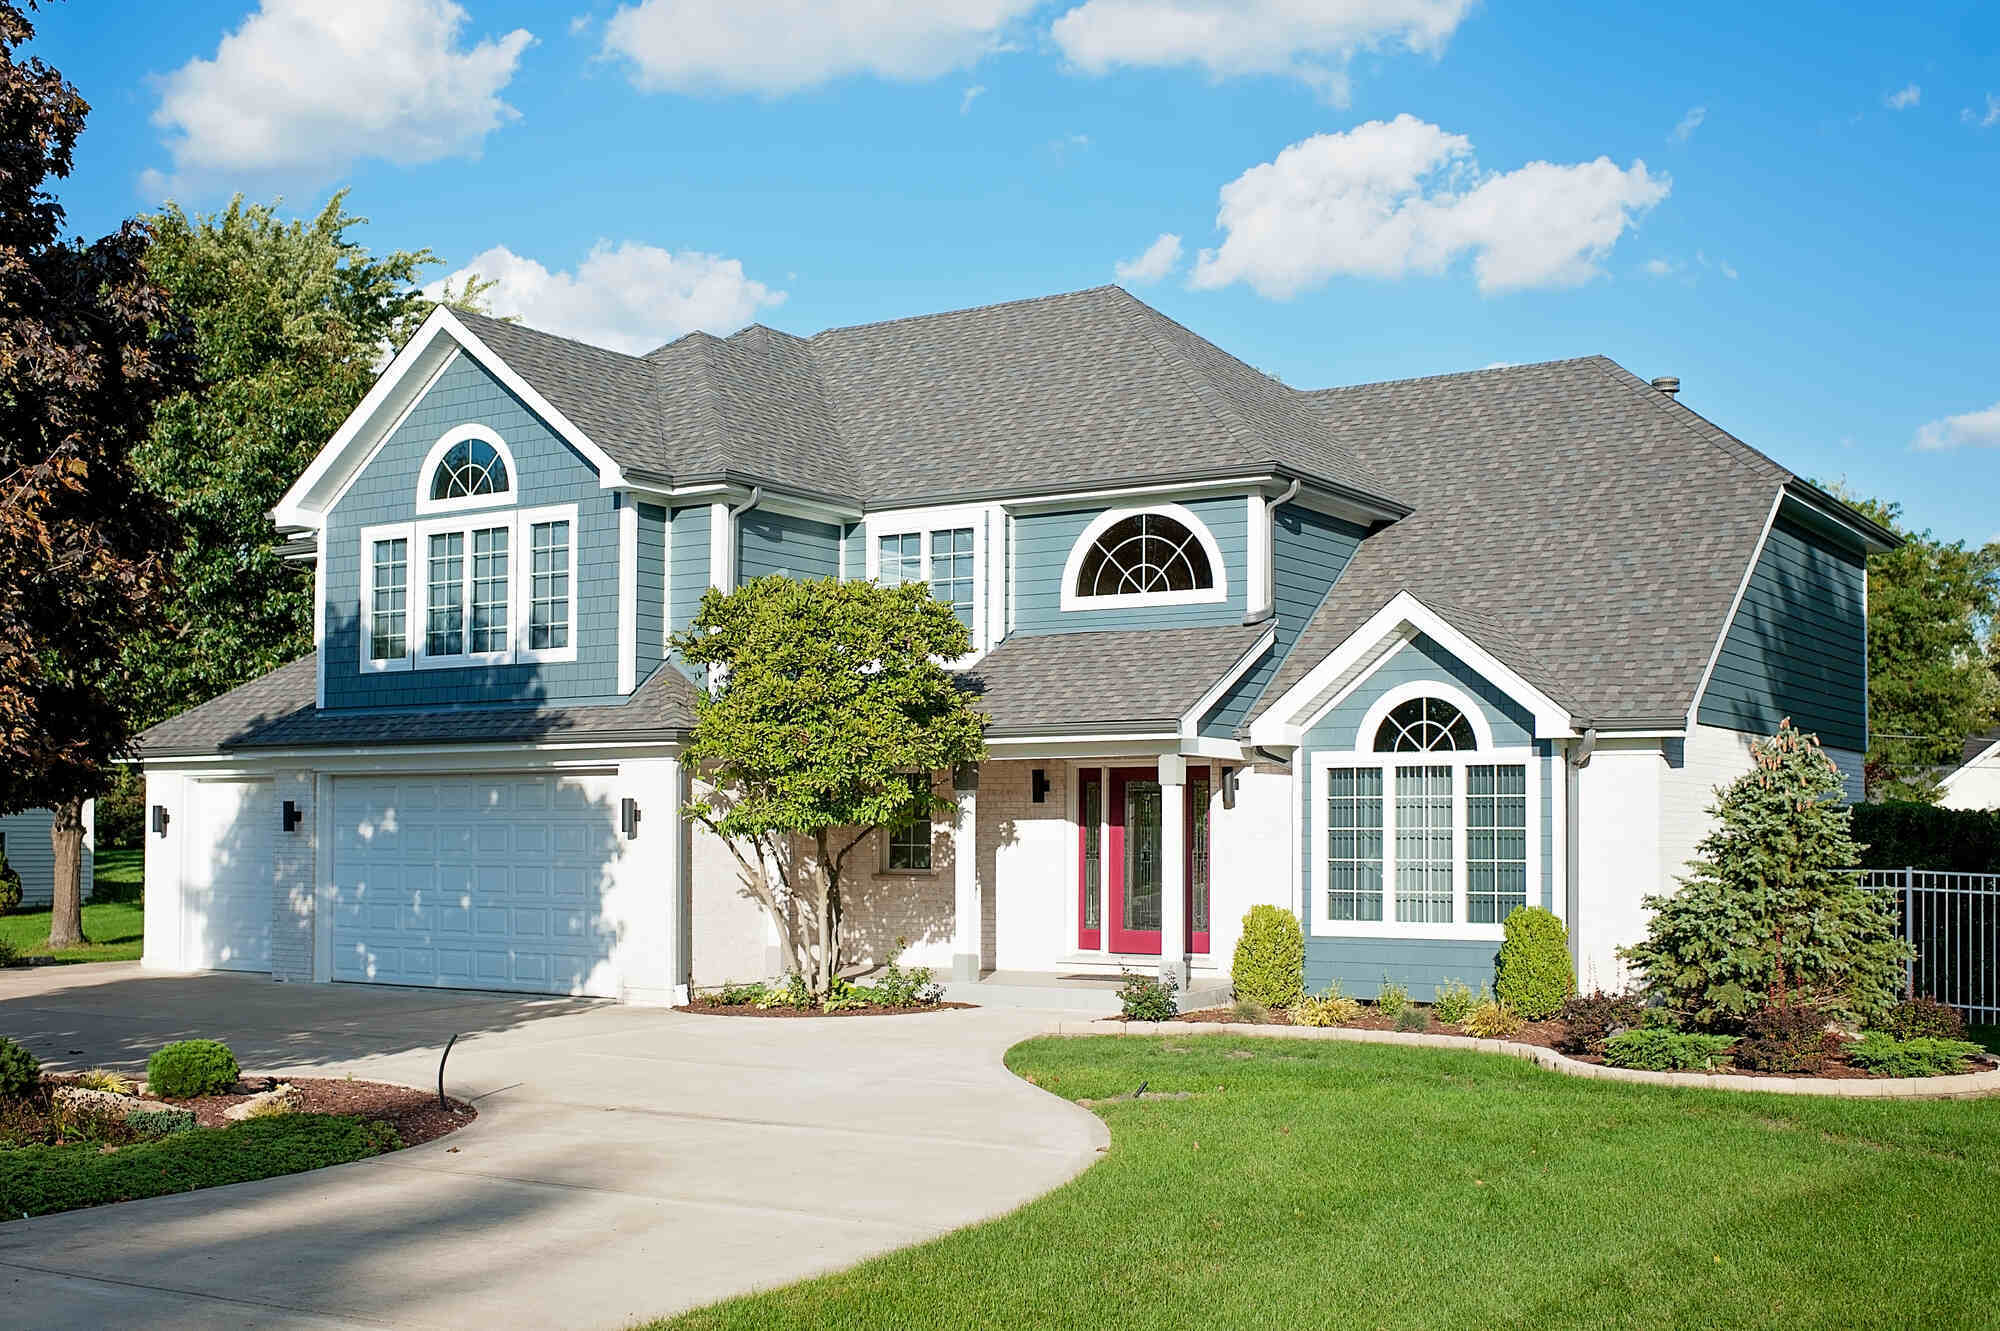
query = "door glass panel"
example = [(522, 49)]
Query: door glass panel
[(1092, 817), (1198, 852), (1142, 855)]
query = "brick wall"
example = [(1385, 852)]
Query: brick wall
[(295, 874)]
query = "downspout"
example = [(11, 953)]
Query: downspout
[(1258, 614), (1580, 756), (735, 537)]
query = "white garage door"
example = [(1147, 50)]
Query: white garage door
[(474, 882), (227, 877)]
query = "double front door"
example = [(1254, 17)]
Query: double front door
[(1119, 876)]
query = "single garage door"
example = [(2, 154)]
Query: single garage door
[(227, 876), (474, 882)]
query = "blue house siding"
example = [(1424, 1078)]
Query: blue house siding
[(768, 542), (688, 566), (1042, 545), (1798, 646), (652, 588), (1359, 963), (549, 472), (1308, 552)]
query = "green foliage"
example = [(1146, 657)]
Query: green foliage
[(1391, 999), (20, 1071), (160, 1122), (10, 886), (1782, 1038), (1454, 1000), (734, 995), (10, 955), (188, 1068), (1589, 1019), (792, 993), (1491, 1019), (1890, 1057), (38, 1180), (1145, 997), (832, 715), (1413, 1018), (120, 817), (1667, 1051), (1923, 1018), (896, 987), (1535, 974), (1270, 962), (1331, 1008), (1250, 1010), (104, 1079), (1907, 835), (1771, 910), (842, 996)]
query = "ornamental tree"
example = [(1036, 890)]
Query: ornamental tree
[(1772, 910), (829, 716)]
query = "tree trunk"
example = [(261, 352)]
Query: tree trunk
[(823, 972), (66, 839)]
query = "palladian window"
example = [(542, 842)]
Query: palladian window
[(1146, 554), (469, 468)]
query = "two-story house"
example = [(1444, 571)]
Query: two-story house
[(1397, 657)]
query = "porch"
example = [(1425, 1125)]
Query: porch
[(1071, 991)]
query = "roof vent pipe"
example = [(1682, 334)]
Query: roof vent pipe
[(1667, 384)]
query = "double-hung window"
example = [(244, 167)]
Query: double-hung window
[(1426, 829), (944, 556)]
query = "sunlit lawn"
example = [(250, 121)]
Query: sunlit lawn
[(116, 929)]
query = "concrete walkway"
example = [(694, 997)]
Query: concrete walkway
[(627, 1163)]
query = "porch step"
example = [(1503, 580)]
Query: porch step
[(1069, 992)]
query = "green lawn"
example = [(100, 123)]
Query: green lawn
[(1312, 1184), (114, 922)]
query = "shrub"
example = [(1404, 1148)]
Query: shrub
[(1591, 1019), (1923, 1019), (843, 996), (1245, 1010), (10, 886), (734, 995), (103, 1079), (1667, 1051), (1331, 1008), (9, 954), (1785, 1038), (160, 1122), (1413, 1018), (1900, 835), (1491, 1019), (1891, 1057), (1535, 973), (1391, 999), (20, 1071), (792, 993), (1147, 997), (188, 1068), (1453, 1001), (1270, 962), (1771, 910), (896, 987)]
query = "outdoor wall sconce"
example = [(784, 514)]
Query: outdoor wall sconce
[(628, 817), (159, 820), (1229, 787), (294, 815), (1038, 785)]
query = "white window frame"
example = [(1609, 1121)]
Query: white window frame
[(1363, 755), (930, 826), (462, 503), (922, 523), (1103, 522), (519, 524)]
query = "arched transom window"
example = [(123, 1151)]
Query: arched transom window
[(469, 468), (1425, 725), (1146, 554)]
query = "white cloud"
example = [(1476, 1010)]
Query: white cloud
[(304, 87), (1689, 124), (1722, 266), (628, 297), (578, 23), (970, 96), (1904, 98), (1986, 119), (1311, 40), (1975, 429), (781, 46), (1161, 257), (1390, 198), (1660, 267)]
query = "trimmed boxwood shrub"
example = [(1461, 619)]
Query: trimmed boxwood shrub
[(1535, 974), (1900, 835), (1270, 962), (20, 1071), (188, 1068)]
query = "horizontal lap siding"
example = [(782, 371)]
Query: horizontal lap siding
[(1043, 542), (688, 565), (31, 855), (652, 588), (781, 543), (1798, 645), (550, 472), (1418, 964)]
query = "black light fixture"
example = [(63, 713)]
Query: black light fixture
[(159, 820), (293, 816), (1229, 787), (1038, 785), (628, 817)]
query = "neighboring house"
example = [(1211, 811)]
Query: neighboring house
[(1976, 783), (24, 839), (1397, 657)]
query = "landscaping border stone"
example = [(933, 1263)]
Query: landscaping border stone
[(1962, 1086)]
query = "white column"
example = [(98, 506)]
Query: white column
[(1173, 869), (628, 592), (966, 913), (1258, 566), (721, 548)]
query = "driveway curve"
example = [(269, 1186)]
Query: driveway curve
[(627, 1163)]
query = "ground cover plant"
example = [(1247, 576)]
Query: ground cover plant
[(1263, 1198), (893, 990)]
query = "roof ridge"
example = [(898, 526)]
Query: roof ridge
[(1454, 374), (516, 326), (1685, 418), (1204, 390), (968, 309)]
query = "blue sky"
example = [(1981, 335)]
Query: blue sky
[(1810, 243)]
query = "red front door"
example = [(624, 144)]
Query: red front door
[(1132, 856), (1119, 878)]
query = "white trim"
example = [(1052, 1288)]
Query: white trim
[(1283, 724), (1558, 763), (1059, 500), (924, 523), (1147, 745), (529, 519), (394, 531), (1191, 719), (487, 756), (1378, 711), (721, 548), (1228, 750), (628, 593), (319, 619), (1257, 595), (455, 435), (1103, 522), (1736, 604), (323, 883)]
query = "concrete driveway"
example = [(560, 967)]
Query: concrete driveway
[(626, 1163)]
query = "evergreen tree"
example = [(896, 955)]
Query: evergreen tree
[(1773, 911)]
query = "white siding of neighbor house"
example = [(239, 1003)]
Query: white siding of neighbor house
[(28, 850), (1976, 785)]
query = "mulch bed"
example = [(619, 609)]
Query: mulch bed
[(752, 1010), (414, 1113)]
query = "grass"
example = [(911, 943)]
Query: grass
[(1321, 1184), (115, 922), (38, 1180)]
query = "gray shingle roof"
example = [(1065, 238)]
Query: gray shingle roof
[(1104, 681), (1579, 524), (276, 711)]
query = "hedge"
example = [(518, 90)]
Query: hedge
[(1898, 835)]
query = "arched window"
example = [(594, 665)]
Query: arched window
[(1147, 554), (1425, 725), (469, 468)]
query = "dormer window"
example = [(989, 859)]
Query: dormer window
[(1143, 557), (470, 467)]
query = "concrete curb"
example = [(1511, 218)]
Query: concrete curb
[(1964, 1086)]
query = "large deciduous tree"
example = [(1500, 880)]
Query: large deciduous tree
[(88, 349), (830, 716)]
